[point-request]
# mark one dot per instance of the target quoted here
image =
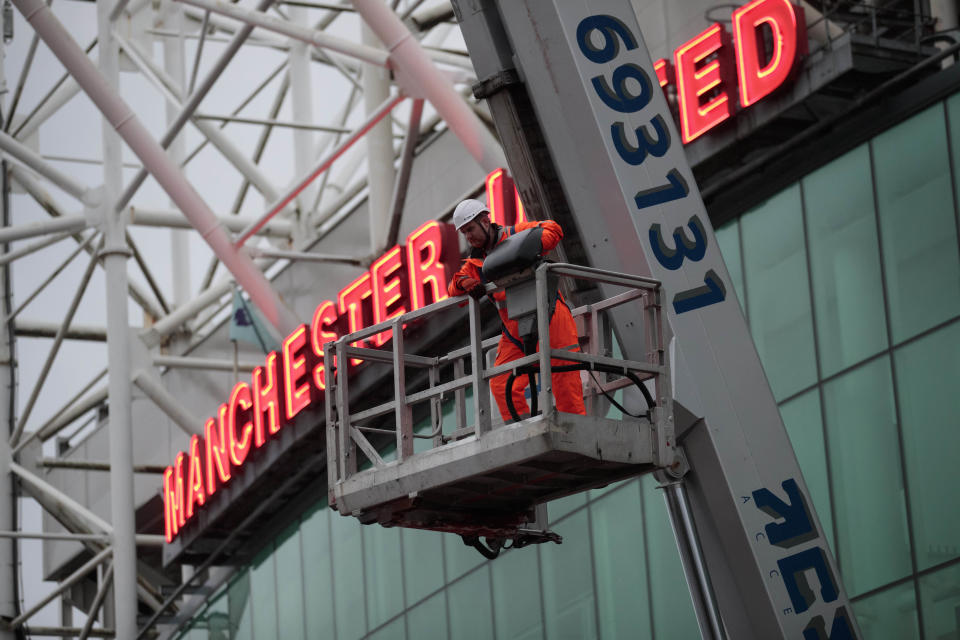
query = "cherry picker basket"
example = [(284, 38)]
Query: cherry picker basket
[(478, 476)]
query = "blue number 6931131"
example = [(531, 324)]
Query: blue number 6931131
[(619, 97), (609, 27)]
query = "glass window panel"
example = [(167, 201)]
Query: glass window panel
[(672, 609), (381, 550), (801, 416), (238, 597), (471, 617), (918, 224), (777, 290), (889, 615), (556, 509), (845, 261), (568, 594), (290, 610), (593, 494), (459, 557), (422, 563), (317, 584), (392, 631), (927, 375), (940, 596), (217, 619), (348, 597), (618, 556), (872, 544), (516, 595), (728, 239), (953, 123), (428, 620), (263, 589)]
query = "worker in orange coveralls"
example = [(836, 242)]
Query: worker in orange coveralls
[(472, 219)]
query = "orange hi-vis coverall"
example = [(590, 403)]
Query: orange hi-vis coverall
[(567, 389)]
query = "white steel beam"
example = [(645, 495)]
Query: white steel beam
[(167, 174), (273, 123), (167, 86), (7, 258), (188, 362), (27, 156), (418, 75), (379, 143), (101, 85), (51, 104), (18, 92), (301, 103), (402, 183), (47, 493), (303, 256), (322, 166), (57, 271), (194, 101), (264, 136), (70, 411), (34, 631), (8, 570), (295, 31), (143, 540), (33, 328), (71, 224), (165, 401), (175, 68), (105, 583), (65, 584), (45, 200), (153, 335), (52, 354), (141, 217), (95, 465)]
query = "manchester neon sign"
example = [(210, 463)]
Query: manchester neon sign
[(291, 380), (713, 69)]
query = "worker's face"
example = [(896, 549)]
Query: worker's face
[(476, 231)]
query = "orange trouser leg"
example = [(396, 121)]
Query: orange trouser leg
[(507, 352), (567, 388)]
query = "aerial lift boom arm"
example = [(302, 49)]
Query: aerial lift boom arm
[(591, 142)]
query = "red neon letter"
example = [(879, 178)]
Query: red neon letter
[(239, 421), (703, 101), (266, 400), (178, 491), (217, 454), (170, 525), (521, 213), (501, 208), (761, 72), (324, 315), (505, 209), (354, 302), (389, 290), (431, 261), (195, 492), (298, 362), (664, 71)]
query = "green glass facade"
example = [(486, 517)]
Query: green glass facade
[(862, 350)]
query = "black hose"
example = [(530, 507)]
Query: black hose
[(490, 553), (588, 366), (534, 397)]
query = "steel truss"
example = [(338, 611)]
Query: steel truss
[(390, 75)]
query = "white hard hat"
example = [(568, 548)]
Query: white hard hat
[(467, 211)]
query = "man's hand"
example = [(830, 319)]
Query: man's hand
[(473, 287)]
